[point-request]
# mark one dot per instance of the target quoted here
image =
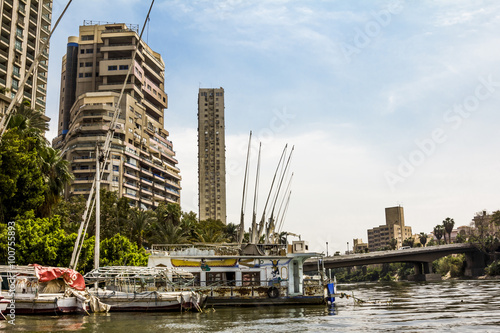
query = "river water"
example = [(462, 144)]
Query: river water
[(446, 306)]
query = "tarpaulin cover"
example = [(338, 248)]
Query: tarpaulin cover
[(71, 277)]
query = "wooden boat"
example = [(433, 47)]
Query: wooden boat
[(37, 290), (252, 274), (127, 288)]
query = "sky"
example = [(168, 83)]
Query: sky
[(386, 103)]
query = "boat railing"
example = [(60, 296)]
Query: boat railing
[(222, 249)]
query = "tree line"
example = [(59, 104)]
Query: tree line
[(33, 176)]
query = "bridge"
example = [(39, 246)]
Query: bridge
[(421, 257)]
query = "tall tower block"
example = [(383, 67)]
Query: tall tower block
[(211, 155)]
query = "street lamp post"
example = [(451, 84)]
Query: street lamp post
[(327, 249), (347, 247)]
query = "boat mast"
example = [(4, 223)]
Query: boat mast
[(271, 225), (281, 214), (97, 208), (244, 196), (262, 220), (253, 232)]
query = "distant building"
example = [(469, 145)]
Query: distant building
[(142, 165), (211, 155), (482, 224), (25, 26), (380, 237), (358, 245)]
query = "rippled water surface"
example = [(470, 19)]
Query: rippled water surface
[(454, 306)]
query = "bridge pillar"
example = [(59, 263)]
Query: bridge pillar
[(475, 263), (423, 272)]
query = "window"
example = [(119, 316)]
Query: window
[(116, 168), (122, 67), (88, 37), (15, 84), (88, 74), (18, 45), (15, 70), (112, 68), (89, 51), (250, 278), (88, 64), (81, 64), (82, 51)]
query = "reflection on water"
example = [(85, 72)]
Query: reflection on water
[(465, 306)]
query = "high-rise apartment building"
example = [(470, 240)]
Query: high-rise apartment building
[(211, 155), (142, 165), (25, 26), (380, 237)]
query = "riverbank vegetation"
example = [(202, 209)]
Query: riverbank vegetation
[(32, 178)]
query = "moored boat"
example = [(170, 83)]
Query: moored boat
[(36, 289), (129, 288), (252, 274)]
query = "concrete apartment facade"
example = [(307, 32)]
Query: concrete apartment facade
[(380, 237), (142, 164), (25, 26), (211, 155)]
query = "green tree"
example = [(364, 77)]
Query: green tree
[(114, 215), (21, 180), (448, 225), (163, 232), (140, 221), (393, 243), (438, 233), (120, 251), (169, 212), (38, 241), (211, 231), (409, 242), (71, 212), (423, 238), (56, 174), (231, 231)]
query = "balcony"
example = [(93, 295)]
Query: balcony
[(147, 180), (4, 40), (4, 55)]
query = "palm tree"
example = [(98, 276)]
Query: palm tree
[(29, 123), (423, 238), (140, 221), (232, 232), (448, 225), (439, 232), (167, 233), (56, 174), (393, 243)]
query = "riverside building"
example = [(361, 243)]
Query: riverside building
[(25, 26), (380, 237), (211, 155), (142, 165)]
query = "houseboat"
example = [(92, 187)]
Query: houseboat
[(244, 274)]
